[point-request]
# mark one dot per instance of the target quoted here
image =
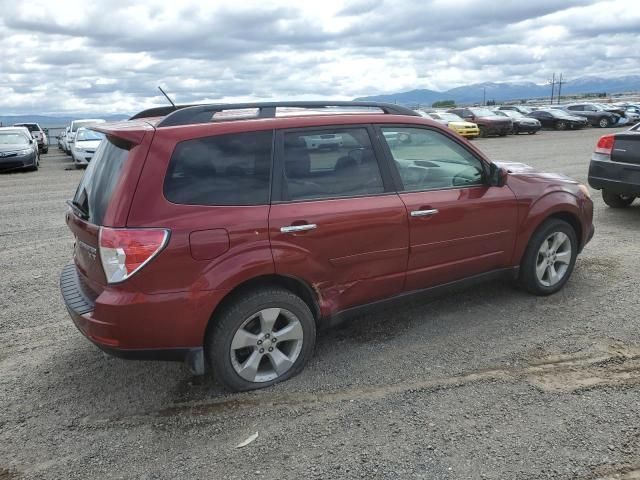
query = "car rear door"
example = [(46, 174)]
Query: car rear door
[(459, 226), (336, 221)]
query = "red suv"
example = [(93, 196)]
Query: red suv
[(227, 234)]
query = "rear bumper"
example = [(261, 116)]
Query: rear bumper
[(621, 178), (139, 326)]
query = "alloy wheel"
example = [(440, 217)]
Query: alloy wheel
[(554, 257), (266, 345)]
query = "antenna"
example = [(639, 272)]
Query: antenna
[(163, 92)]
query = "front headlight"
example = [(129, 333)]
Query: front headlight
[(584, 189), (26, 151)]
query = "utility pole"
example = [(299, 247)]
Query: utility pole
[(484, 96), (553, 84), (559, 87)]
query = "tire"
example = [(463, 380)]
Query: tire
[(45, 150), (615, 200), (245, 315), (483, 132), (561, 125), (604, 122), (540, 262)]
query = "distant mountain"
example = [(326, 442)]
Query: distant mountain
[(501, 91), (52, 121)]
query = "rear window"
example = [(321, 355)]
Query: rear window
[(99, 180), (32, 127), (233, 169)]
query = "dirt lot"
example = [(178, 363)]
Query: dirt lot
[(489, 383)]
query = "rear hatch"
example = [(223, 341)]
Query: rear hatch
[(626, 148), (101, 198)]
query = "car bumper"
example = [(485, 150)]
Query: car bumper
[(620, 178), (498, 129), (140, 326), (81, 158), (467, 132), (18, 163), (526, 128)]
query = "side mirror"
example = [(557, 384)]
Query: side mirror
[(497, 176)]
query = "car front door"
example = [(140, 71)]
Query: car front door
[(459, 225), (336, 221)]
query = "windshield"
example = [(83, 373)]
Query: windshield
[(13, 139), (86, 135), (482, 112), (449, 117), (559, 113), (32, 127)]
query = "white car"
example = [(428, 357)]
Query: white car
[(330, 140), (73, 128), (85, 145)]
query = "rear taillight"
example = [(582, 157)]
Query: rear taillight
[(124, 251), (605, 144)]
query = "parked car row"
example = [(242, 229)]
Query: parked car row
[(472, 122)]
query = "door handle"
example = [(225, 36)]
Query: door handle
[(424, 213), (298, 228)]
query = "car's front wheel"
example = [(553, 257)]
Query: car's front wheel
[(549, 258), (260, 339), (616, 200), (561, 125)]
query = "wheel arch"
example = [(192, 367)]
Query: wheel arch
[(295, 285), (559, 205)]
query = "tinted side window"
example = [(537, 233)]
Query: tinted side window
[(232, 169), (428, 160), (330, 163)]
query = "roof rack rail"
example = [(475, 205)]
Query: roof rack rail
[(192, 114)]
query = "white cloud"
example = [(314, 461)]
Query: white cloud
[(108, 57)]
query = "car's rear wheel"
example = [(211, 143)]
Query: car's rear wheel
[(604, 122), (483, 132), (549, 259), (616, 200), (561, 125), (260, 339)]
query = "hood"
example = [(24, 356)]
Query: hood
[(15, 147), (515, 168), (463, 124), (87, 143)]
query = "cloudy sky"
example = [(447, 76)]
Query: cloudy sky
[(106, 56)]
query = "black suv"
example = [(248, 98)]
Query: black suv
[(595, 114)]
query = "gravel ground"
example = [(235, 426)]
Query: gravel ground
[(487, 383)]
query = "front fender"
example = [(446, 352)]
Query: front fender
[(552, 203)]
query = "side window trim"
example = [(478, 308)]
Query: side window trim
[(278, 173), (399, 185)]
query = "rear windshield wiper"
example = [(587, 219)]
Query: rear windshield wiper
[(79, 209)]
